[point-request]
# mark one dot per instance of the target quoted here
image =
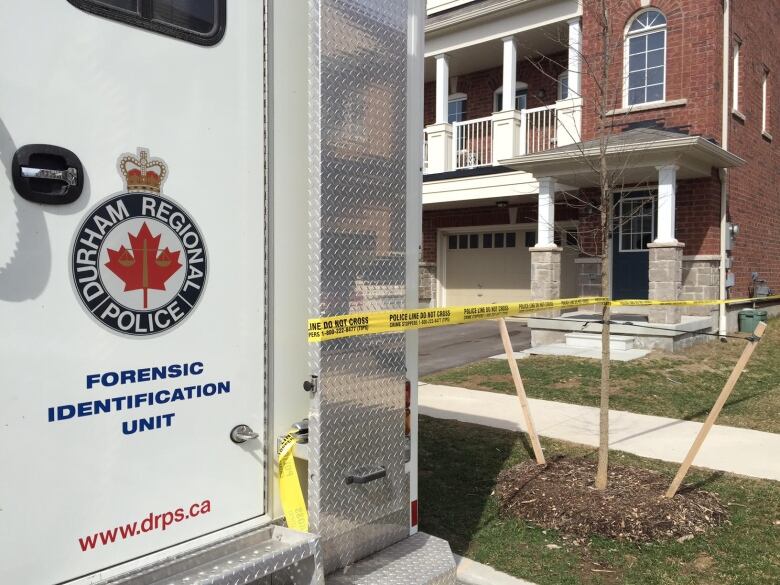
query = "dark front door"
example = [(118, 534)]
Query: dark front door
[(634, 229)]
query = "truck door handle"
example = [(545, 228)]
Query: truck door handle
[(69, 175), (242, 434), (367, 476), (47, 174)]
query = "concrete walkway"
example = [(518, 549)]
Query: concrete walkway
[(473, 573), (736, 450)]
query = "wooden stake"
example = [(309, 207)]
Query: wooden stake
[(724, 395), (529, 423)]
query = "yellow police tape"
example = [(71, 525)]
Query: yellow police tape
[(354, 324), (290, 493)]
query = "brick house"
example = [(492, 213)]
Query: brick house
[(511, 128)]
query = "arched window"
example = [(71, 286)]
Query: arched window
[(645, 58)]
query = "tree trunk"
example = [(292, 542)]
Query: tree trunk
[(601, 473), (605, 182)]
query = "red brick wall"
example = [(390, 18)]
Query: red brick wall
[(698, 216), (754, 189), (693, 65), (480, 86), (435, 219)]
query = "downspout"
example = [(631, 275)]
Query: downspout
[(724, 173)]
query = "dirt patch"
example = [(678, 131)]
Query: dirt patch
[(568, 384), (561, 496)]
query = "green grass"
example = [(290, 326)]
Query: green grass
[(458, 467), (683, 385)]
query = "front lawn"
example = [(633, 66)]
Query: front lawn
[(682, 385), (459, 464)]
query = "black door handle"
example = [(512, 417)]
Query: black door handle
[(48, 174), (366, 476)]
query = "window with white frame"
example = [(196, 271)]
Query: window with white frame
[(456, 108), (645, 59), (636, 222), (521, 97), (563, 85), (735, 74), (765, 102)]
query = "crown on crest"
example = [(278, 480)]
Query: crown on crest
[(142, 173)]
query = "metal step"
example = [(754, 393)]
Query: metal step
[(421, 559), (593, 341), (266, 556)]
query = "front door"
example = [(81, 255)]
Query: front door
[(634, 230), (132, 318)]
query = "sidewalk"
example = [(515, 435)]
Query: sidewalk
[(732, 449)]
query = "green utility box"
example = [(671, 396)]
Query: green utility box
[(750, 318)]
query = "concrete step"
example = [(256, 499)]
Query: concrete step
[(563, 349), (593, 341)]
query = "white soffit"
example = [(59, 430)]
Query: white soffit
[(466, 29)]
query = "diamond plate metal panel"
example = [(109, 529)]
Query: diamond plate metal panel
[(421, 559), (272, 555), (357, 239)]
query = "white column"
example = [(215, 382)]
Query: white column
[(575, 59), (667, 195), (545, 231), (510, 74), (442, 87)]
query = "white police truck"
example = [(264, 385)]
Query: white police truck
[(185, 183)]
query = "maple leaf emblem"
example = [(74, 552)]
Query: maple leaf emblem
[(143, 266)]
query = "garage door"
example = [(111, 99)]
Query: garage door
[(495, 266), (487, 267)]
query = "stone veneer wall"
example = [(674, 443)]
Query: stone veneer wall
[(427, 284), (588, 277), (700, 281), (665, 276)]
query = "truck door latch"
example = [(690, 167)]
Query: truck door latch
[(47, 174), (242, 434)]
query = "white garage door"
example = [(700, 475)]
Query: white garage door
[(495, 266)]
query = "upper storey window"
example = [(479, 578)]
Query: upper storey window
[(645, 57)]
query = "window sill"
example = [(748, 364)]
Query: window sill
[(645, 107), (766, 136), (738, 115)]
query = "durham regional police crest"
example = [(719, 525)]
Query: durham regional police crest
[(139, 262)]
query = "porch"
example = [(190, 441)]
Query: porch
[(663, 242)]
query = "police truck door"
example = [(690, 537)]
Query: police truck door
[(131, 282)]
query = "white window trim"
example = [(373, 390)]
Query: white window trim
[(653, 198), (499, 92), (455, 97), (735, 76), (561, 75), (765, 102), (626, 38)]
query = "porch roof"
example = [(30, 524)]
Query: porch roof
[(633, 154)]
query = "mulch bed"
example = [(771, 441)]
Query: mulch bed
[(561, 496)]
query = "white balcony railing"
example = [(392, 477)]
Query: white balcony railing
[(472, 143), (476, 143), (538, 130)]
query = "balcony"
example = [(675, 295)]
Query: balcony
[(483, 142), (491, 86)]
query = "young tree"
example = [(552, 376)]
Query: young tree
[(604, 96)]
